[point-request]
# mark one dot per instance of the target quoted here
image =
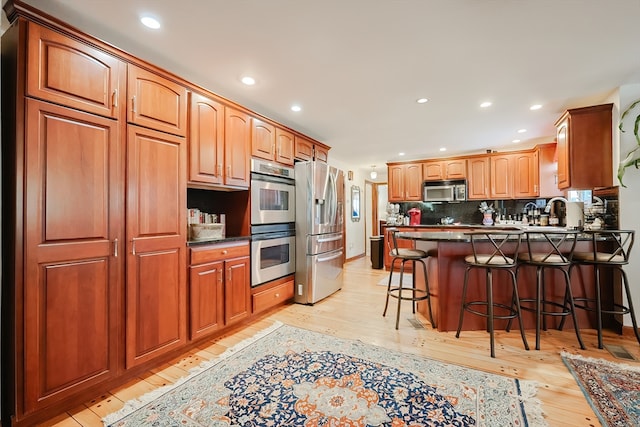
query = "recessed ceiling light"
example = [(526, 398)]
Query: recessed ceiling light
[(522, 130), (535, 107), (249, 81), (515, 141), (443, 149), (150, 22), (296, 108), (485, 104), (400, 154), (422, 101)]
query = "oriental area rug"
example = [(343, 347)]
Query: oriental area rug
[(286, 376), (612, 389)]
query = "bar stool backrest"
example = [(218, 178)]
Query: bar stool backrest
[(618, 244), (551, 247), (393, 250), (504, 245)]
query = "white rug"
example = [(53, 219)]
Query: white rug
[(395, 280)]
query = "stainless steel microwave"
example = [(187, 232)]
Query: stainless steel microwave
[(444, 191)]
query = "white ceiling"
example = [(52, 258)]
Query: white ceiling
[(357, 67)]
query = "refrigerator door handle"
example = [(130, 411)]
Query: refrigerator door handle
[(330, 239), (329, 258)]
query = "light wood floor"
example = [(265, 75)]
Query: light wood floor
[(356, 312)]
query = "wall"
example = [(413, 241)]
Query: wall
[(354, 230), (629, 200)]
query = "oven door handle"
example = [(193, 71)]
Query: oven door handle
[(330, 239), (329, 258), (271, 236)]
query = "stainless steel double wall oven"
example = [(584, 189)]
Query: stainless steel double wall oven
[(272, 221)]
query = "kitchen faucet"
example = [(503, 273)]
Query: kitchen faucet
[(547, 208)]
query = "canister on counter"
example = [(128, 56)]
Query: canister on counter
[(544, 220)]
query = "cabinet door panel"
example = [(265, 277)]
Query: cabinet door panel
[(156, 102), (156, 244), (72, 73), (284, 147), (206, 143), (206, 299), (456, 169), (526, 175), (396, 183), (237, 148), (303, 149), (478, 183), (263, 140), (237, 290), (74, 176), (433, 171), (562, 138), (501, 177), (321, 154), (413, 182)]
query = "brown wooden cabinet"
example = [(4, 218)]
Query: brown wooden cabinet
[(206, 140), (548, 171), (219, 286), (437, 170), (71, 73), (405, 182), (526, 174), (478, 181), (73, 233), (263, 139), (501, 176), (284, 146), (584, 147), (307, 150), (156, 244), (272, 294), (156, 102), (237, 147)]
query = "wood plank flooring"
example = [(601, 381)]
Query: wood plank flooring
[(355, 312)]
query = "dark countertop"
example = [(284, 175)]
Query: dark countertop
[(215, 241)]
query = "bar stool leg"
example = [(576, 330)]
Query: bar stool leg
[(464, 298), (426, 282), (573, 307), (386, 303), (631, 310), (489, 284), (516, 301), (413, 285), (400, 293), (539, 296)]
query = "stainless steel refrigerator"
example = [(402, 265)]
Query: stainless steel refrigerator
[(319, 231)]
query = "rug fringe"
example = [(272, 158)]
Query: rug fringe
[(532, 405), (135, 404), (568, 355)]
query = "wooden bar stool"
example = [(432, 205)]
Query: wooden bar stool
[(552, 249), (412, 293), (493, 250), (611, 248)]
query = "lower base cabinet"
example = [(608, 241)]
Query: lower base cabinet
[(219, 287), (272, 294)]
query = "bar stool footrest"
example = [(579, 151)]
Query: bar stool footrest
[(621, 309), (393, 293), (512, 311)]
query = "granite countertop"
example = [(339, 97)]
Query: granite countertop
[(214, 241), (460, 236)]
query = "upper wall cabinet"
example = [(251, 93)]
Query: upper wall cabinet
[(437, 170), (263, 139), (284, 147), (320, 153), (237, 147), (156, 102), (584, 137), (305, 149), (526, 175), (71, 73), (206, 140), (478, 182), (405, 182)]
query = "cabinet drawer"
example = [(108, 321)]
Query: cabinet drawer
[(217, 252), (268, 298)]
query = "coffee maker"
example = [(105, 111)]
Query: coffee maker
[(414, 216)]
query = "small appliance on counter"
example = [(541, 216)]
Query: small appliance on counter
[(414, 216)]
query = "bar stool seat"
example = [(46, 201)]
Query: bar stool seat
[(611, 249), (550, 249), (408, 293), (493, 250)]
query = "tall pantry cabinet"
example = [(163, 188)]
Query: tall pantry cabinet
[(94, 217)]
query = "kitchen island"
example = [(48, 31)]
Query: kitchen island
[(446, 278)]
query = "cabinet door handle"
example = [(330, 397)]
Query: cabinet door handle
[(228, 170), (277, 295), (133, 246), (219, 169), (224, 252), (133, 104), (114, 99), (115, 247)]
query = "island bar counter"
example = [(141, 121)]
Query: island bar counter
[(446, 278)]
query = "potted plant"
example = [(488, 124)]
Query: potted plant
[(633, 157)]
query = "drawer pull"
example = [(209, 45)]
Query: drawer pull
[(224, 252), (277, 295)]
